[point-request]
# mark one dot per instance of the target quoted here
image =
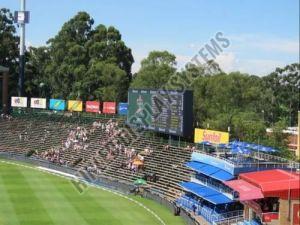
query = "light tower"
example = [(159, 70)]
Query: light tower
[(22, 17)]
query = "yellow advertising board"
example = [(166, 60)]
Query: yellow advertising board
[(212, 136), (75, 106)]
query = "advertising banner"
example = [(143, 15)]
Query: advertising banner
[(212, 136), (216, 162), (38, 103), (123, 108), (75, 106), (92, 106), (20, 102), (109, 107), (57, 104), (268, 217)]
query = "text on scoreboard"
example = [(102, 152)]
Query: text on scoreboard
[(162, 111)]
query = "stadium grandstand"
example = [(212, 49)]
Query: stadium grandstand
[(99, 127), (192, 177)]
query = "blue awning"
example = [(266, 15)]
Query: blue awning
[(195, 165), (206, 193), (210, 170), (202, 167), (218, 199), (222, 175)]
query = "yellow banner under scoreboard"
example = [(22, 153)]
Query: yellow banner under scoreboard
[(212, 136), (75, 106)]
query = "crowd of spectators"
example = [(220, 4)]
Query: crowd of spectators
[(6, 116), (76, 140), (53, 155), (190, 149)]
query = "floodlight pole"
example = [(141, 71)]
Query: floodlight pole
[(22, 52)]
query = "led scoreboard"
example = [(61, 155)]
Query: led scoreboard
[(162, 111)]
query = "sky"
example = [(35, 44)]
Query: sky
[(263, 34)]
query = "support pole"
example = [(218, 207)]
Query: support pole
[(22, 53), (5, 92)]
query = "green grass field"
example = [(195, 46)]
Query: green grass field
[(31, 197)]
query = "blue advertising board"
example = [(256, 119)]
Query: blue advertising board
[(57, 104), (123, 108), (233, 168), (217, 162)]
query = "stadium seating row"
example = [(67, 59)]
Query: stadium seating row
[(37, 134)]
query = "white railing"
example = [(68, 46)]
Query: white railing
[(218, 187), (228, 216), (229, 221), (211, 216), (272, 161)]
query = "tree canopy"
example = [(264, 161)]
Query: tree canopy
[(155, 70), (81, 62), (9, 51)]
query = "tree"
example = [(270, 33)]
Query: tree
[(155, 70), (82, 62), (9, 42), (37, 83), (106, 45), (105, 82), (248, 126), (283, 87), (278, 139), (224, 95)]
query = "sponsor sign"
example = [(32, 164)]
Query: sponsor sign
[(75, 106), (38, 103), (57, 104), (92, 106), (268, 217), (212, 136), (20, 102), (109, 107), (123, 108)]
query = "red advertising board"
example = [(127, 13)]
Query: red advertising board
[(296, 214), (268, 217), (109, 107), (92, 106)]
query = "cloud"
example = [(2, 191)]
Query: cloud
[(248, 53), (182, 60), (258, 67), (282, 46), (227, 61), (266, 43), (230, 62), (138, 57)]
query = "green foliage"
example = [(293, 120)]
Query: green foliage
[(9, 52), (282, 88), (36, 82), (279, 139), (248, 126), (155, 71), (81, 63)]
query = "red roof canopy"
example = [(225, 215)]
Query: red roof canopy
[(246, 190), (275, 183)]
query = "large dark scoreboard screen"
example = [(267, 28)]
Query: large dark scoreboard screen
[(162, 111)]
